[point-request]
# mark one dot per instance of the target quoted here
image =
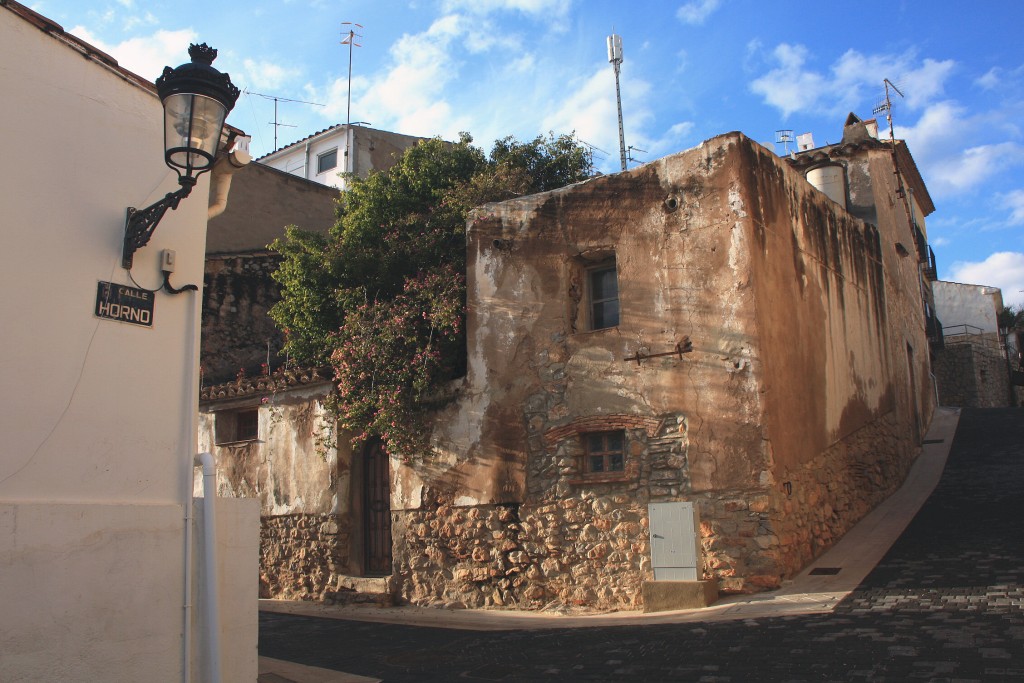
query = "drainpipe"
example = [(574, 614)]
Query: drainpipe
[(305, 163), (212, 604), (191, 437), (220, 181)]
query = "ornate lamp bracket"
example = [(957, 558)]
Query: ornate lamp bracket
[(139, 224)]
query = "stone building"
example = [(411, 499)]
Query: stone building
[(799, 408), (973, 367), (702, 369)]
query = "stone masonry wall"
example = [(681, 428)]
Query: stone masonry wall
[(804, 516), (587, 551), (591, 547), (301, 555), (971, 375), (237, 294)]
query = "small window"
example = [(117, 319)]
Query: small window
[(605, 452), (238, 425), (603, 295), (327, 161)]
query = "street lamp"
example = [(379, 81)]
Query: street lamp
[(196, 99)]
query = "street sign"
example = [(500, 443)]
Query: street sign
[(124, 304)]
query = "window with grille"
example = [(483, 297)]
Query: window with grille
[(604, 452)]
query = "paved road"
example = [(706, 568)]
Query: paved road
[(945, 604)]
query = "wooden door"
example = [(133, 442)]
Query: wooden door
[(377, 517)]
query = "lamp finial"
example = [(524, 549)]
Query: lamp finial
[(202, 54)]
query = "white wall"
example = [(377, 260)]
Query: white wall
[(97, 415), (960, 304), (293, 160)]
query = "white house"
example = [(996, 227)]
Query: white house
[(101, 573), (325, 156)]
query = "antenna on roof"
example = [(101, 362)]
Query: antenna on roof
[(784, 137), (615, 57), (900, 187), (277, 124), (350, 40)]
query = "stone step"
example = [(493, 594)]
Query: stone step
[(349, 590)]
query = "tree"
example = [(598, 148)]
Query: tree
[(381, 298), (1010, 318)]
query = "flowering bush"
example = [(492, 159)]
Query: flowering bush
[(382, 297)]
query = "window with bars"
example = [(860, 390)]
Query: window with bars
[(604, 452)]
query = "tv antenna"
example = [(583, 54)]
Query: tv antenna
[(350, 40), (886, 106), (615, 57), (277, 124), (784, 137)]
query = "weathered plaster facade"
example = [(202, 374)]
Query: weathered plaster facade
[(800, 407), (290, 463)]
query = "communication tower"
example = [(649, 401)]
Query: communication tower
[(615, 57)]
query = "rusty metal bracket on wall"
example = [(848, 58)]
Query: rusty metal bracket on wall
[(685, 346)]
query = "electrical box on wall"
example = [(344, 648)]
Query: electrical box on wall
[(675, 541), (168, 259)]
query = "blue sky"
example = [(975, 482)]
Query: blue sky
[(693, 69)]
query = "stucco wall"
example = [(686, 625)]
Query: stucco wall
[(262, 202), (98, 419), (962, 304)]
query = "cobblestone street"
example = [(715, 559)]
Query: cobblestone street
[(945, 604)]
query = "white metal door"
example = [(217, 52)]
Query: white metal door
[(675, 544)]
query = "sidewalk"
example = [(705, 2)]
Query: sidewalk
[(855, 555)]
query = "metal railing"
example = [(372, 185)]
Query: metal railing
[(975, 336)]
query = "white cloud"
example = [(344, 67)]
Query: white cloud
[(697, 11), (851, 80), (972, 167), (589, 110), (936, 141), (147, 55), (1004, 269), (409, 95), (147, 19), (548, 8), (681, 130), (991, 79), (1014, 201), (788, 87), (267, 75)]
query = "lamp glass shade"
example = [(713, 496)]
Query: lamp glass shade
[(192, 126)]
